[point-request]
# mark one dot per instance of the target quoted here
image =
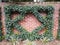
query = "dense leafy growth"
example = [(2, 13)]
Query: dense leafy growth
[(58, 35), (47, 22), (0, 27)]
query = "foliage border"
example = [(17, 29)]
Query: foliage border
[(46, 22), (58, 34), (1, 34)]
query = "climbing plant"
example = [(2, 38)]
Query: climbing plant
[(23, 10), (0, 27), (58, 35)]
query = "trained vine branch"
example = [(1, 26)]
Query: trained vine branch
[(23, 10)]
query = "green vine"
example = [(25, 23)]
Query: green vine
[(23, 10), (1, 35), (58, 35)]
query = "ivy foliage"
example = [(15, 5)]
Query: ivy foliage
[(1, 35), (0, 31), (23, 10), (58, 35)]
